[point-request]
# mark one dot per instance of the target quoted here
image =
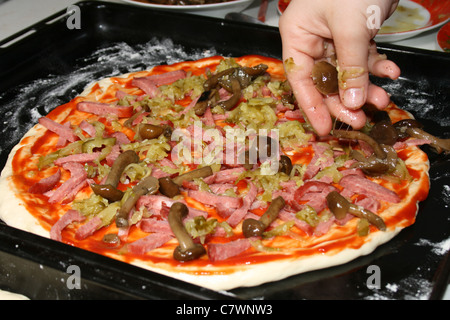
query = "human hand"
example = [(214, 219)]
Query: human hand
[(313, 30)]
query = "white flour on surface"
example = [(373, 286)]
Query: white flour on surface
[(22, 107), (439, 248), (415, 97), (415, 286), (412, 289), (446, 194)]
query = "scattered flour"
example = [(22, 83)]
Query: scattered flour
[(414, 287), (419, 98), (446, 194), (21, 107), (439, 248)]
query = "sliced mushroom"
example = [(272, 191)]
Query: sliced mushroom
[(213, 81), (148, 185), (358, 135), (150, 131), (404, 124), (171, 187), (440, 145), (325, 78), (235, 87), (339, 206), (374, 166), (384, 132), (187, 249), (204, 101), (111, 239), (255, 228), (285, 165), (109, 190), (233, 80), (256, 71)]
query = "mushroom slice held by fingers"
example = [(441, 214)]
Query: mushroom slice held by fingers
[(187, 249), (325, 78)]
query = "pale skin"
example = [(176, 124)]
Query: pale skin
[(313, 30)]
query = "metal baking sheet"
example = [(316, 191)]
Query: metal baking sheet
[(52, 63)]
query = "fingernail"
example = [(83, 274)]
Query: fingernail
[(353, 98)]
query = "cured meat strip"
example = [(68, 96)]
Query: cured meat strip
[(155, 225), (105, 109), (320, 160), (313, 193), (165, 78), (65, 132), (150, 242), (150, 84), (77, 176), (364, 186), (224, 176), (88, 228), (80, 158), (211, 199), (157, 203), (223, 251), (46, 184), (88, 128), (286, 215), (240, 213), (68, 218)]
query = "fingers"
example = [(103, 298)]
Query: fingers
[(355, 118), (298, 72), (379, 66), (352, 51), (299, 54), (378, 97)]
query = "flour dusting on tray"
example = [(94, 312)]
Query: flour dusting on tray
[(26, 104)]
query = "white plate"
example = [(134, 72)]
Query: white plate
[(216, 10), (409, 19)]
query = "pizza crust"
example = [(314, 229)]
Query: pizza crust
[(14, 213), (12, 208)]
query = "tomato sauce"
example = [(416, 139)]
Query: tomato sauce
[(26, 174)]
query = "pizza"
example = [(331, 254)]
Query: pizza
[(207, 171)]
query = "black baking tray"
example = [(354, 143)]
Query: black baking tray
[(49, 64)]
